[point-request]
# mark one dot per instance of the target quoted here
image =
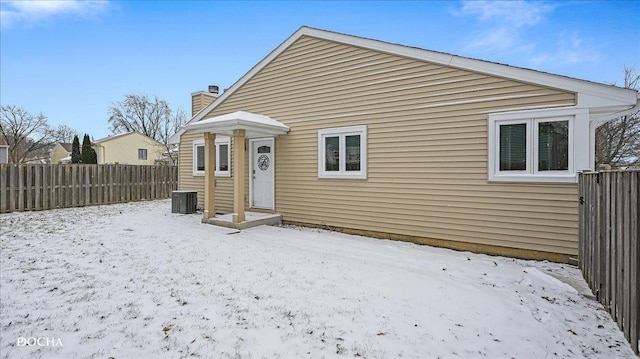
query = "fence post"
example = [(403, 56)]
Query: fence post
[(116, 184), (584, 244), (634, 331), (52, 189), (4, 188), (37, 187), (111, 183), (59, 174), (87, 184), (619, 248), (45, 186)]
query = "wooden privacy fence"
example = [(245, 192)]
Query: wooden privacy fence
[(38, 187), (609, 251)]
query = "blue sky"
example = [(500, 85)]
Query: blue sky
[(71, 60)]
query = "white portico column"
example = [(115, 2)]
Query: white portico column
[(209, 175), (238, 176)]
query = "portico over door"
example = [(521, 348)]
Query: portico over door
[(242, 126)]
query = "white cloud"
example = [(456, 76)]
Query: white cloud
[(13, 13), (514, 28), (514, 13), (570, 50), (498, 39), (502, 23)]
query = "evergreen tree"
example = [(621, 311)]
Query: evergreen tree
[(88, 154), (75, 150), (94, 157)]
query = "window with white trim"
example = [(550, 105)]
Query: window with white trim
[(342, 152), (534, 146), (223, 157), (142, 154), (4, 154)]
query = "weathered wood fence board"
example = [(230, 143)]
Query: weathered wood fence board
[(609, 252), (38, 187)]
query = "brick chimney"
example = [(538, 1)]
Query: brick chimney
[(201, 99)]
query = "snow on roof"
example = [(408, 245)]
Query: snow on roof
[(255, 125)]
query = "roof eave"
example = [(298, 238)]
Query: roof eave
[(600, 95), (603, 91)]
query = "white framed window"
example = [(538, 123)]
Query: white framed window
[(198, 158), (223, 157), (142, 154), (4, 154), (342, 152), (534, 146)]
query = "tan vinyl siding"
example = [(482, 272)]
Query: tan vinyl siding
[(124, 149), (427, 148), (187, 181), (58, 153), (200, 100)]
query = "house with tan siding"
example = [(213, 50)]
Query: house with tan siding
[(363, 136), (4, 150), (131, 148), (60, 153)]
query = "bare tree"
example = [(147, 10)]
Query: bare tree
[(151, 117), (64, 133), (171, 125), (27, 135), (618, 141)]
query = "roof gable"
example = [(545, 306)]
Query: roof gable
[(120, 135), (602, 99), (66, 146)]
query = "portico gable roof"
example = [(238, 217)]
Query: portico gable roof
[(255, 125)]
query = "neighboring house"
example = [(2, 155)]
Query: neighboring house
[(36, 157), (61, 153), (171, 156), (397, 142), (128, 148), (37, 160), (4, 150)]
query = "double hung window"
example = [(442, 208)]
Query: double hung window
[(223, 157)]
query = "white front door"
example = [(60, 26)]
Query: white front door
[(262, 164)]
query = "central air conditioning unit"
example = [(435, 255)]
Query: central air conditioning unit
[(184, 202)]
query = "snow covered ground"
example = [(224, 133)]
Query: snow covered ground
[(135, 281)]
